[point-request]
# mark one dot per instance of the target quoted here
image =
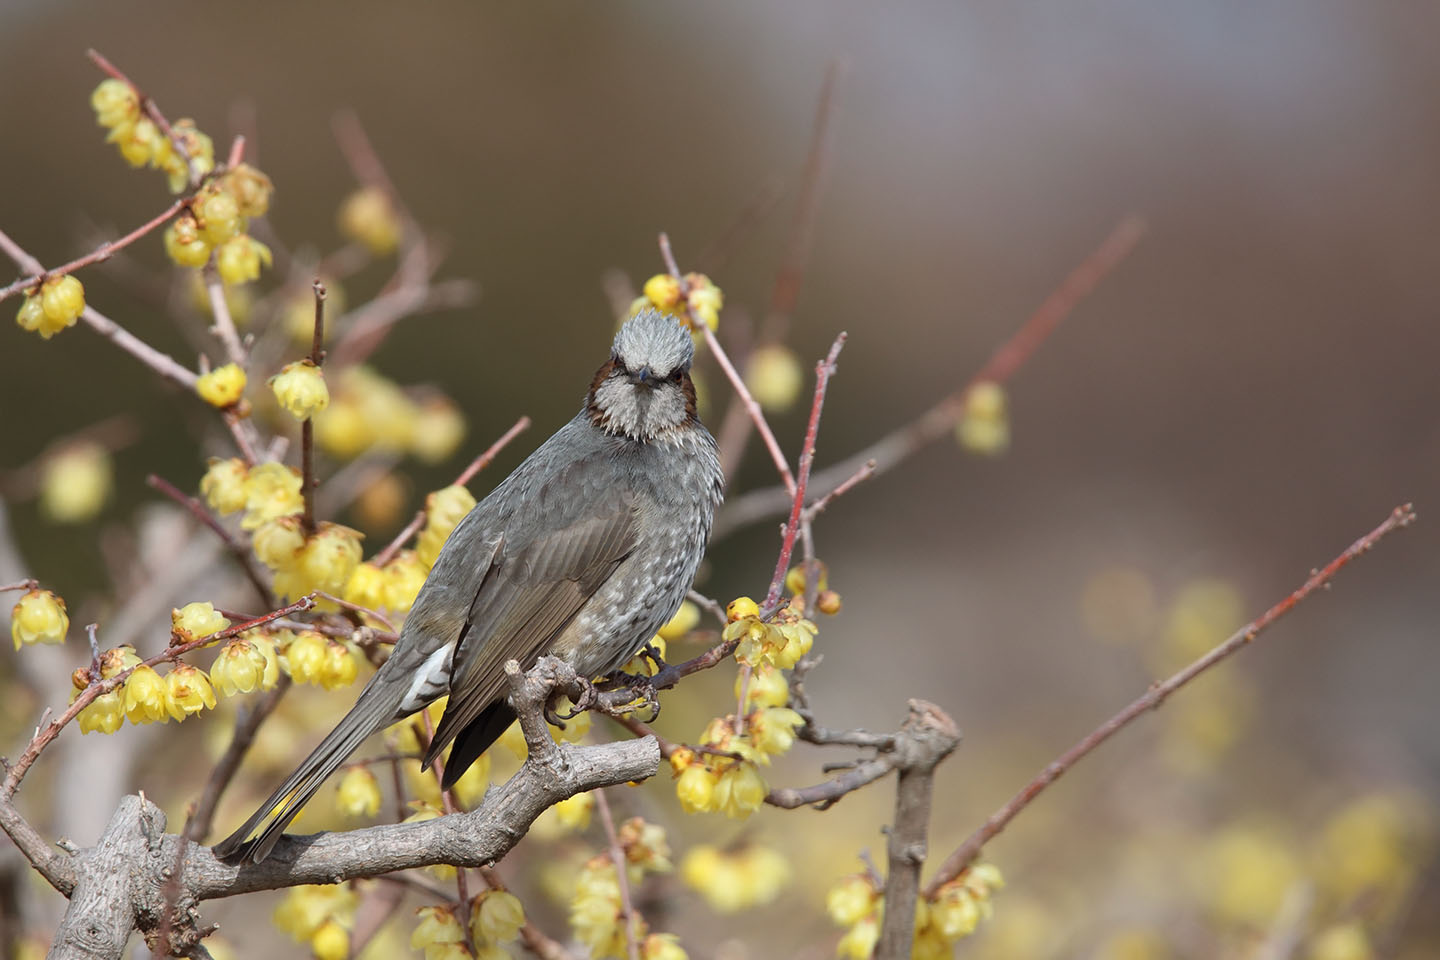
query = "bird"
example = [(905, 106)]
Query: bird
[(582, 553)]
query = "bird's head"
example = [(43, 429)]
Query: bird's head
[(643, 391)]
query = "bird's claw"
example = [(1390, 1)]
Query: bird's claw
[(586, 698), (645, 693)]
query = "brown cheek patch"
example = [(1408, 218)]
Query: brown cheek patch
[(597, 416)]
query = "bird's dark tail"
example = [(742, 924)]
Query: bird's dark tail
[(474, 740), (368, 715)]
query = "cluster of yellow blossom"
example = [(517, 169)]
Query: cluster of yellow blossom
[(780, 642), (596, 911), (736, 879), (984, 427), (145, 696), (39, 617), (392, 587), (320, 915), (140, 141), (367, 410), (53, 306), (368, 217), (246, 664), (673, 295), (310, 657), (300, 389), (213, 224), (941, 921), (444, 509), (359, 793), (709, 782), (76, 482)]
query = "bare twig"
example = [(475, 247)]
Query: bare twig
[(237, 549), (307, 427), (939, 420), (479, 463), (617, 856), (1401, 516), (751, 405), (30, 583)]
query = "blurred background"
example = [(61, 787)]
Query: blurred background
[(1250, 391)]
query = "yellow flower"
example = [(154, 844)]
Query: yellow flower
[(75, 483), (740, 791), (368, 217), (223, 485), (497, 916), (984, 427), (198, 147), (341, 666), (115, 103), (145, 693), (574, 814), (277, 542), (307, 908), (139, 141), (736, 879), (187, 691), (774, 376), (704, 299), (246, 664), (439, 428), (39, 617), (859, 941), (328, 558), (184, 244), (663, 291), (696, 788), (772, 730), (271, 490), (741, 608), (437, 926), (444, 509), (62, 299), (222, 387), (330, 942), (300, 388), (104, 714), (851, 900), (240, 258), (196, 620), (767, 687), (218, 216), (404, 576), (32, 318), (662, 946), (686, 618), (358, 794), (250, 188), (366, 586)]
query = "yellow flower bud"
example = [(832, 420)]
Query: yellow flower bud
[(187, 691), (437, 926), (104, 714), (774, 376), (75, 483), (740, 608), (795, 578), (304, 658), (404, 576), (497, 916), (32, 317), (219, 216), (246, 664), (115, 103), (439, 429), (198, 147), (767, 687), (740, 791), (850, 900), (859, 941), (138, 141), (696, 788), (277, 542), (184, 244), (663, 291), (359, 793), (250, 188), (574, 814), (239, 260), (39, 617), (368, 217), (687, 618), (330, 942), (329, 556), (341, 666), (444, 509), (984, 427), (305, 909), (828, 602), (772, 729), (271, 490), (222, 387), (366, 587), (145, 692), (223, 485), (300, 388), (62, 299), (196, 620)]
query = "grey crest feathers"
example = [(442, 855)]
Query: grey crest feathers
[(653, 340), (583, 552)]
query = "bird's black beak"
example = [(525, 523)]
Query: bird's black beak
[(644, 375)]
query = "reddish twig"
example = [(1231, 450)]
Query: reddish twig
[(939, 420), (307, 427), (823, 371), (47, 733), (103, 252), (238, 550), (721, 357), (1401, 516), (617, 856), (466, 475), (29, 583), (151, 110)]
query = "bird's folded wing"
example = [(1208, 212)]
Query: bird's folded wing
[(530, 595)]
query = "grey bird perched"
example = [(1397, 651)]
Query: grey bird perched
[(582, 553)]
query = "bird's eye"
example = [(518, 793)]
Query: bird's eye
[(678, 375)]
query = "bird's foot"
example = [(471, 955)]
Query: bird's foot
[(652, 653), (642, 690), (582, 696)]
